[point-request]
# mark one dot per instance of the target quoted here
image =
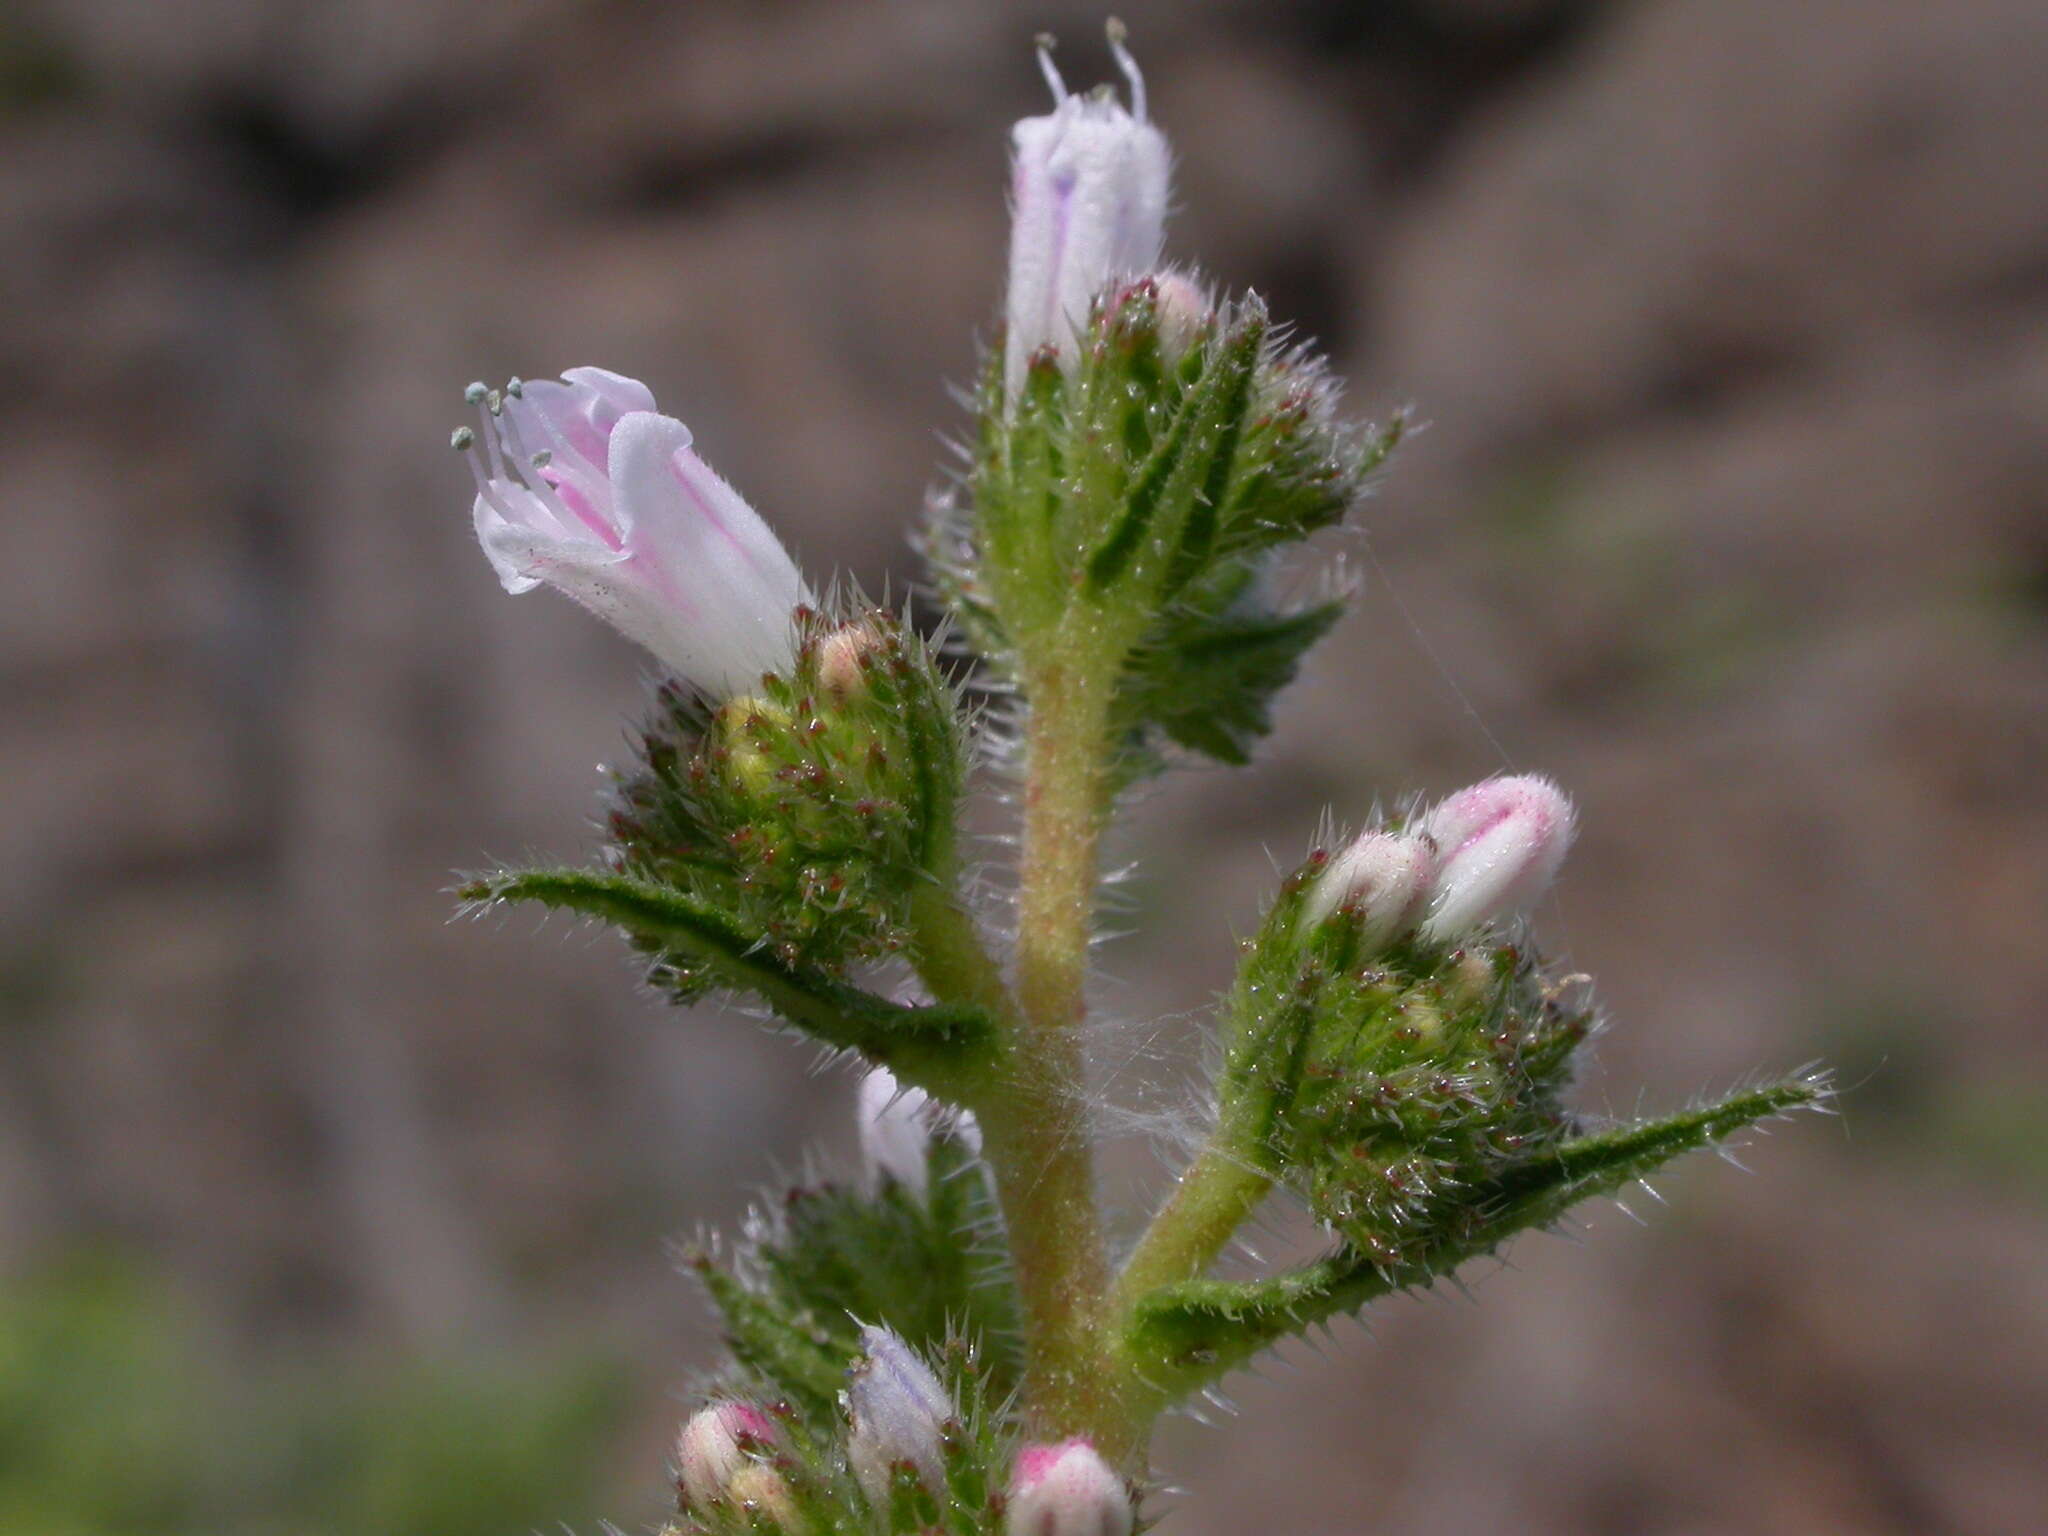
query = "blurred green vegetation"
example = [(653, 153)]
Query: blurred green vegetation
[(1907, 1096), (117, 1418), (1646, 625)]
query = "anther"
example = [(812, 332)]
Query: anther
[(516, 387), (476, 392), (462, 439)]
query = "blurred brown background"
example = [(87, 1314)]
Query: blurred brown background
[(319, 1212)]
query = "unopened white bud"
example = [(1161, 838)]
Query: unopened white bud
[(710, 1451), (1066, 1490), (1499, 844), (899, 1411), (1383, 878), (896, 1129), (1088, 196)]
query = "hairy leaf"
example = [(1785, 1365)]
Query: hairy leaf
[(1184, 1336), (931, 1046)]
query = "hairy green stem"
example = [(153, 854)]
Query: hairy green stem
[(951, 958), (1216, 1195), (1039, 1139)]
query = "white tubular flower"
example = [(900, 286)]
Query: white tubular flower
[(710, 1451), (899, 1413), (583, 485), (1382, 877), (1088, 190), (1499, 844), (896, 1129), (1066, 1490)]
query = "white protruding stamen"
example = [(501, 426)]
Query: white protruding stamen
[(570, 464), (484, 414), (1117, 33), (485, 486), (1046, 43), (533, 479)]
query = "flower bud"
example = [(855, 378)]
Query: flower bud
[(896, 1129), (1087, 205), (710, 1453), (899, 1413), (583, 485), (1066, 1490), (762, 1488), (1383, 878), (844, 657), (1185, 311), (1499, 844)]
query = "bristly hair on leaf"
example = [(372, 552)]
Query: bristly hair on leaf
[(1191, 1334)]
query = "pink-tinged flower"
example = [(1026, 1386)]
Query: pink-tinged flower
[(1066, 1490), (712, 1448), (899, 1411), (583, 485), (1383, 878), (1088, 189), (896, 1129), (1498, 844)]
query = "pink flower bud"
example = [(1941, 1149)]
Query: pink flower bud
[(1499, 844), (843, 659), (709, 1452), (1087, 206), (1383, 877), (1066, 1490), (899, 1413), (581, 484), (1184, 310), (896, 1129)]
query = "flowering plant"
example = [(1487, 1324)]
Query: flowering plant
[(950, 1342)]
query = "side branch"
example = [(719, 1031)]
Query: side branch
[(1180, 1337)]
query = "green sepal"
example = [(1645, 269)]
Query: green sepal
[(1182, 1337), (1125, 504), (824, 1259), (1176, 493), (1384, 1086), (790, 1350), (813, 808), (936, 1046), (785, 1298)]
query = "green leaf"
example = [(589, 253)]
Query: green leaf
[(1183, 1336), (1207, 679), (936, 1047)]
